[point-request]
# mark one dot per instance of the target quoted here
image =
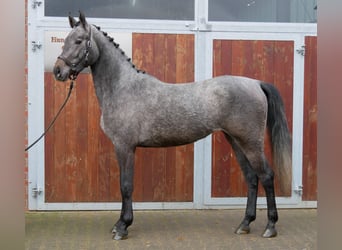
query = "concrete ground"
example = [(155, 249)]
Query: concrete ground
[(176, 229)]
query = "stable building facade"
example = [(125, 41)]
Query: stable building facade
[(74, 166)]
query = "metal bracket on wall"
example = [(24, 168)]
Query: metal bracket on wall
[(301, 51), (36, 45), (36, 4)]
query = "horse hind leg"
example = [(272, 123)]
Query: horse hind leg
[(252, 183), (252, 152)]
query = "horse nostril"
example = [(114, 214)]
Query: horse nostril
[(57, 71)]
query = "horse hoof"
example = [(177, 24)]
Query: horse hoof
[(269, 233), (119, 235), (242, 229)]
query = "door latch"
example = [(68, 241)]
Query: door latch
[(36, 191), (299, 190)]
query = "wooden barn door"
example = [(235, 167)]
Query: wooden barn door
[(269, 61), (274, 62), (80, 165)]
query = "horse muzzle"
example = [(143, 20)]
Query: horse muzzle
[(61, 70)]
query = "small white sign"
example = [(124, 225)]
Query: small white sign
[(54, 41)]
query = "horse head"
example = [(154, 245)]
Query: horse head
[(79, 50)]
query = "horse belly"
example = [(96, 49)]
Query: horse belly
[(173, 135)]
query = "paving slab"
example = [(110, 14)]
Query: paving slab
[(169, 229)]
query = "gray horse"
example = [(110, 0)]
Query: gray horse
[(139, 110)]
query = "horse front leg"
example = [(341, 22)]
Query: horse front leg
[(125, 159)]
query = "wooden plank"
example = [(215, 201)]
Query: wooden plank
[(103, 169), (82, 178), (148, 162), (283, 78), (170, 58), (189, 172), (190, 58), (248, 63), (310, 121), (217, 58), (49, 139), (220, 183), (93, 117), (137, 54), (226, 59), (170, 154), (148, 53), (59, 143), (159, 56), (268, 61), (71, 159), (184, 68), (181, 59), (159, 166), (184, 169)]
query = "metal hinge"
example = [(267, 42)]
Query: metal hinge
[(36, 45), (301, 51), (36, 4), (299, 190), (36, 191)]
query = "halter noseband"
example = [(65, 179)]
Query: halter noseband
[(83, 60)]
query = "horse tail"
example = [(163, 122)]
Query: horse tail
[(280, 137)]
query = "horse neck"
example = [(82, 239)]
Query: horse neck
[(112, 68)]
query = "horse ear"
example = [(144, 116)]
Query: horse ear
[(72, 21), (83, 20)]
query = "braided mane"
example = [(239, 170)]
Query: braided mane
[(117, 46)]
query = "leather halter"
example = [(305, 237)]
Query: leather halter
[(83, 60)]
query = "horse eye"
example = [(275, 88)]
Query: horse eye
[(78, 41)]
